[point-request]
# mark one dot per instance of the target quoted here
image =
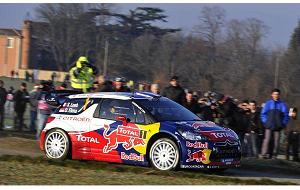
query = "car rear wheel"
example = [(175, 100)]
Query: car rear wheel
[(56, 144), (164, 154)]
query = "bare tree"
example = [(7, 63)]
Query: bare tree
[(64, 30), (211, 23)]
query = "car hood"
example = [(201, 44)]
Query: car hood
[(206, 128)]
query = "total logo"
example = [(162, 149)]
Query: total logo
[(222, 135), (196, 144), (87, 139), (129, 136), (199, 156), (132, 156)]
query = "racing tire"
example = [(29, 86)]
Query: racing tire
[(164, 154), (57, 145)]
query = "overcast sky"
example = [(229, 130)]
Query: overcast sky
[(281, 18)]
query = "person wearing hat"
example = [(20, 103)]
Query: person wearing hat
[(33, 102), (83, 74), (119, 85), (174, 91), (21, 99)]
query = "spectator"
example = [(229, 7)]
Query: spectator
[(174, 91), (53, 76), (155, 88), (275, 117), (227, 110), (21, 99), (255, 130), (119, 85), (190, 103), (67, 78), (3, 95), (103, 85), (293, 132), (17, 74), (44, 109), (32, 77), (27, 75), (12, 74), (10, 101), (243, 120), (33, 101)]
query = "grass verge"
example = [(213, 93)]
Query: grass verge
[(17, 170)]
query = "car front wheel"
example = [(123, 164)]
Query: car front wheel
[(164, 154), (56, 144)]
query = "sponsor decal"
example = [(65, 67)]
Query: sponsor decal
[(74, 118), (129, 136), (132, 157), (87, 101), (87, 139), (196, 125), (199, 156), (192, 166), (196, 144), (222, 135), (70, 105), (67, 110)]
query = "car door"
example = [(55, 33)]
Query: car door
[(110, 132)]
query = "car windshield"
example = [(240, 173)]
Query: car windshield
[(163, 109)]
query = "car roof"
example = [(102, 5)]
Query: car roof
[(117, 95)]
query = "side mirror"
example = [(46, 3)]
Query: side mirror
[(123, 119)]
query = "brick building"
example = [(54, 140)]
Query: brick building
[(10, 51), (24, 50)]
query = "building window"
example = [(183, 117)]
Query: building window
[(10, 42)]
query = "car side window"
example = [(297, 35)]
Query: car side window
[(111, 108), (139, 116)]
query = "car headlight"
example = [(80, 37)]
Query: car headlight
[(188, 135)]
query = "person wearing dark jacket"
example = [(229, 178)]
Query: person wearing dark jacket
[(103, 85), (174, 92), (119, 85), (255, 130), (274, 117), (21, 99), (3, 95), (190, 103), (33, 101), (293, 132)]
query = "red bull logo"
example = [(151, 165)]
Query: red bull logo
[(129, 136), (199, 156), (132, 157)]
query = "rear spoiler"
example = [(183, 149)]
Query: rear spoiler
[(58, 97)]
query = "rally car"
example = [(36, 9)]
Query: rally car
[(138, 128)]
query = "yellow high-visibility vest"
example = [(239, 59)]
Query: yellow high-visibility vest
[(84, 80)]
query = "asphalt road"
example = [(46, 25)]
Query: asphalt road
[(11, 144)]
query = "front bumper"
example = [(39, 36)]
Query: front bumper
[(210, 155)]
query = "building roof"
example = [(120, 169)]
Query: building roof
[(117, 95), (10, 32)]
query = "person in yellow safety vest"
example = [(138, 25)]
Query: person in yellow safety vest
[(83, 74)]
